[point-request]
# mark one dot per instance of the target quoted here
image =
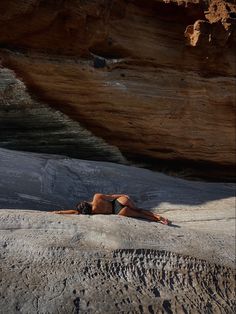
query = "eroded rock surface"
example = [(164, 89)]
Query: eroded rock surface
[(219, 28), (112, 264), (60, 271), (154, 78)]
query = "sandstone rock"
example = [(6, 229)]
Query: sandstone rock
[(156, 97), (111, 264), (220, 28), (28, 124), (204, 34)]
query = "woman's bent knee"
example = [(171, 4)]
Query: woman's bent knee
[(124, 201)]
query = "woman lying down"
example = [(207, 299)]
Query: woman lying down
[(116, 204)]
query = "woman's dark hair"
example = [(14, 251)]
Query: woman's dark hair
[(84, 208)]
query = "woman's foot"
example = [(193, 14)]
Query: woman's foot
[(164, 221)]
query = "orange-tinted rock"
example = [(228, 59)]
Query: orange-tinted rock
[(126, 73), (220, 28)]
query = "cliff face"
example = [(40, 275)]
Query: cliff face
[(154, 78)]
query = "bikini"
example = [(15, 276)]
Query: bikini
[(116, 206)]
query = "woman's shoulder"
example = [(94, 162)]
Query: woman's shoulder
[(97, 196)]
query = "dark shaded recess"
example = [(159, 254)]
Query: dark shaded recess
[(141, 309), (156, 292), (108, 50), (188, 169), (99, 62), (150, 309), (162, 150), (13, 48), (34, 141), (77, 305), (27, 131), (231, 43), (103, 50), (167, 306), (108, 54), (232, 15), (172, 11), (18, 48)]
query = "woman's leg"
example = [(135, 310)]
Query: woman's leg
[(141, 213)]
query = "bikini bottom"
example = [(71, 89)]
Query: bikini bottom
[(116, 207)]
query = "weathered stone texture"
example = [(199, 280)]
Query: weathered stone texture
[(28, 124), (154, 78), (105, 263)]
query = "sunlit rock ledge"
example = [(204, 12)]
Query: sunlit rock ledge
[(110, 264)]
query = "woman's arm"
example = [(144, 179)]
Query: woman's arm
[(66, 212)]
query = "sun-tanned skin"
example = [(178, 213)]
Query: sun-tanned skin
[(101, 205)]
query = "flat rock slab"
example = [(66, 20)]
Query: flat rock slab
[(110, 264)]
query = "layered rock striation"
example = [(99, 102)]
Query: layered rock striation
[(154, 78), (29, 124)]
